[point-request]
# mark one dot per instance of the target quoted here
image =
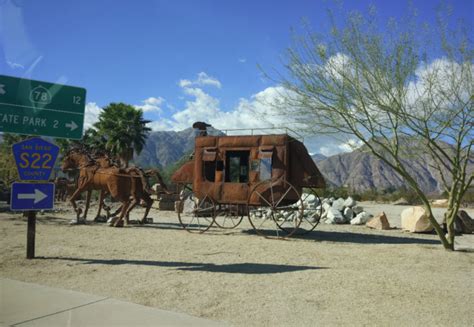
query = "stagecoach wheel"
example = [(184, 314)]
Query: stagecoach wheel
[(229, 216), (277, 217), (195, 215), (312, 211)]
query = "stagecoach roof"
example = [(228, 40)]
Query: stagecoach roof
[(244, 140)]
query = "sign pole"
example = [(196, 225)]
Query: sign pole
[(30, 235)]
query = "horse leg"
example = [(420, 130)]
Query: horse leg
[(101, 203), (132, 205), (88, 202), (77, 210), (149, 202), (125, 205)]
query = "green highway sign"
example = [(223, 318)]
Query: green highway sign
[(41, 108)]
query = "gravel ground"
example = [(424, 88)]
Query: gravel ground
[(337, 275)]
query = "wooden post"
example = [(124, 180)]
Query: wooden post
[(30, 235)]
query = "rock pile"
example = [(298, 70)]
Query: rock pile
[(311, 204), (343, 211), (329, 210)]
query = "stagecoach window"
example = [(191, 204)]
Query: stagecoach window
[(210, 171), (209, 168), (237, 166), (265, 171)]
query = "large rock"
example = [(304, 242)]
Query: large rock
[(463, 223), (415, 220), (334, 216), (357, 209), (348, 214), (379, 222), (467, 222), (338, 204), (440, 203), (326, 206), (361, 218), (349, 202), (401, 202), (310, 198)]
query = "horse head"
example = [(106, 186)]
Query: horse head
[(75, 158)]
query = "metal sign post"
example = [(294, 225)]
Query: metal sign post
[(35, 160), (30, 235)]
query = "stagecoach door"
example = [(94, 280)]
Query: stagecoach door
[(235, 185)]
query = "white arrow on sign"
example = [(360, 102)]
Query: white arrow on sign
[(37, 196), (72, 125), (2, 90)]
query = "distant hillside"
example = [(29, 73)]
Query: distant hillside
[(165, 148), (360, 170), (318, 157)]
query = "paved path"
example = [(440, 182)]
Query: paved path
[(25, 304)]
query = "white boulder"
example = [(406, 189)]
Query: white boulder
[(338, 204), (335, 216), (361, 218), (326, 206), (310, 198), (415, 220), (349, 202), (357, 210), (348, 214)]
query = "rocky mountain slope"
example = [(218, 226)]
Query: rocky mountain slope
[(165, 148), (360, 171)]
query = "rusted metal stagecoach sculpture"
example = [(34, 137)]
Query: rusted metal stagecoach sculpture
[(261, 176)]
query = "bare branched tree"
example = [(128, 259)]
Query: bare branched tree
[(384, 87)]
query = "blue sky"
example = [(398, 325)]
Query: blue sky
[(194, 59)]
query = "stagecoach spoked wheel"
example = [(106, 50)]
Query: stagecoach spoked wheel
[(312, 211), (195, 215), (229, 216), (274, 216)]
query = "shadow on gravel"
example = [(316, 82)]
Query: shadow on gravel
[(235, 268), (347, 237)]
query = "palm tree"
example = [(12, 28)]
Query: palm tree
[(124, 130)]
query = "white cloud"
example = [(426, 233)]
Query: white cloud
[(256, 112), (91, 115), (242, 60), (15, 65), (334, 146), (202, 80), (201, 108), (152, 104), (439, 86), (185, 83)]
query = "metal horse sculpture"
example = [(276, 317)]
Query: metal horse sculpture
[(105, 161), (121, 184)]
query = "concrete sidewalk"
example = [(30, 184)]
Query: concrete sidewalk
[(25, 304)]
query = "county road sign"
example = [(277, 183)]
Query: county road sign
[(32, 196), (35, 158), (40, 108)]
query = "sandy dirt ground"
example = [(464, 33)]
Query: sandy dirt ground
[(336, 275)]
